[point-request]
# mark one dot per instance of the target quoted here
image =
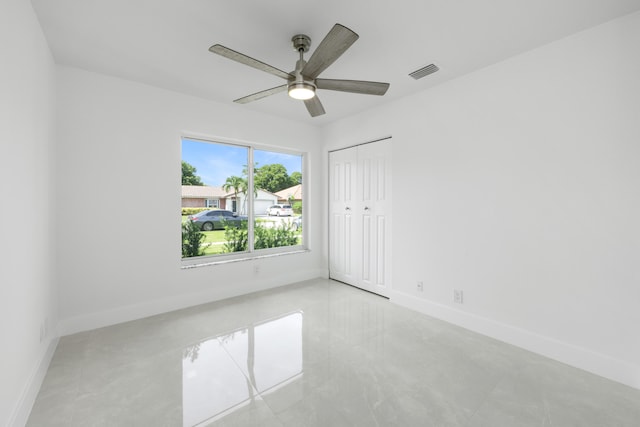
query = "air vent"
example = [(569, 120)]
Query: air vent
[(424, 71)]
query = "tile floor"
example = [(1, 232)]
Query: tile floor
[(318, 353)]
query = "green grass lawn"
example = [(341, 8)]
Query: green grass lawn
[(213, 242)]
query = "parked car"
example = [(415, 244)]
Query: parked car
[(216, 219), (280, 210), (296, 224)]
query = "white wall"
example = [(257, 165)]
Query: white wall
[(520, 186), (27, 291), (118, 188)]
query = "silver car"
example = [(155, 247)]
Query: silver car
[(216, 219), (280, 210)]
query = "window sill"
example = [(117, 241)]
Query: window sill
[(211, 262)]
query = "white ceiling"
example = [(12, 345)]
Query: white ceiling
[(165, 43)]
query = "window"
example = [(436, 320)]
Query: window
[(258, 210)]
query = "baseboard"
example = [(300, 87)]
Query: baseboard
[(599, 364), (138, 311), (32, 387)]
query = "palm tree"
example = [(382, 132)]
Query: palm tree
[(244, 189), (237, 184), (245, 186)]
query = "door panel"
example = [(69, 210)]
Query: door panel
[(342, 184), (365, 274), (374, 161), (381, 253)]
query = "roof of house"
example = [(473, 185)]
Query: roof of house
[(208, 192), (261, 193), (294, 192), (202, 192)]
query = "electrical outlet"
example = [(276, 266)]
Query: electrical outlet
[(457, 296), (420, 286)]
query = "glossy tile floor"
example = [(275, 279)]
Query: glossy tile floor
[(318, 353)]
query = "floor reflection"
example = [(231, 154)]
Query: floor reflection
[(228, 372)]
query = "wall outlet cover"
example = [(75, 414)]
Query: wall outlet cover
[(457, 296)]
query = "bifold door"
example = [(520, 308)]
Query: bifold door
[(360, 216)]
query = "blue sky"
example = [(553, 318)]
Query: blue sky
[(216, 162)]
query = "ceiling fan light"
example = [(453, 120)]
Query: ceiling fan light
[(302, 90)]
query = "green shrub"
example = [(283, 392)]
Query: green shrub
[(193, 211), (275, 237), (297, 208), (192, 237), (236, 238)]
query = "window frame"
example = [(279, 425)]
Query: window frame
[(251, 253)]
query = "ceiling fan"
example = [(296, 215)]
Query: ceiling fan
[(303, 81)]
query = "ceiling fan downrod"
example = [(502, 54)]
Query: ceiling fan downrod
[(301, 88)]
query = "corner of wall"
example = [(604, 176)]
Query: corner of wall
[(30, 392)]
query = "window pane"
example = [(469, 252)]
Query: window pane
[(277, 203), (213, 174)]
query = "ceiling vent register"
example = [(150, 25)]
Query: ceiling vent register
[(424, 71)]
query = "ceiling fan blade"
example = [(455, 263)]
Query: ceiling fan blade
[(335, 43), (247, 60), (314, 106), (261, 94), (354, 86)]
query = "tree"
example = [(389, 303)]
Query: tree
[(189, 176), (272, 178), (296, 178), (245, 175), (237, 184), (245, 186)]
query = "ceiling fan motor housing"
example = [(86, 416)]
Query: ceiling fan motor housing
[(301, 42)]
